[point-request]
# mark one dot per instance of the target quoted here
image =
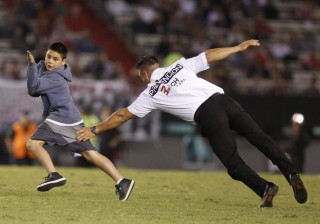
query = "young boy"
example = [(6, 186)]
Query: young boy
[(49, 79)]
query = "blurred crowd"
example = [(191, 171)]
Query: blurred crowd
[(33, 25), (187, 27)]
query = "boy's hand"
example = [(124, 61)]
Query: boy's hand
[(30, 57)]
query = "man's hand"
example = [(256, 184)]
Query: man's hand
[(243, 46), (30, 57), (84, 134)]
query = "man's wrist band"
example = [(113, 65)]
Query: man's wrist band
[(93, 129)]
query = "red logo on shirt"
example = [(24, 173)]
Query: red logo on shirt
[(164, 90)]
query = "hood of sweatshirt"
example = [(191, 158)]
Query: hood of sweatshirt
[(64, 71)]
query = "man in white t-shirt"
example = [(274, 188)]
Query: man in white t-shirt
[(177, 90)]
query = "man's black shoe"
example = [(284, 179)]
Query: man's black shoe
[(270, 192), (52, 180), (124, 189), (300, 192)]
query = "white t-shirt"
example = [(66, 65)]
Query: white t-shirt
[(176, 89)]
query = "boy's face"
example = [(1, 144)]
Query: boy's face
[(53, 60)]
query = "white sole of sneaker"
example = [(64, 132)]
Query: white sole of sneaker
[(51, 184)]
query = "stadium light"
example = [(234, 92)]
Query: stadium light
[(298, 118)]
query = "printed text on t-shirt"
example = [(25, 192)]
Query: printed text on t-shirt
[(176, 82), (164, 79)]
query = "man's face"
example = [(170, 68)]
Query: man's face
[(54, 60)]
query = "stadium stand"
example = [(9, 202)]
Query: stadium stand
[(286, 65), (280, 25)]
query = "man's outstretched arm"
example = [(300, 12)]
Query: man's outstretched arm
[(115, 120), (217, 54)]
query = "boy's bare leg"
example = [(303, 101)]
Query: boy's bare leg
[(124, 187), (36, 147), (103, 163), (53, 179)]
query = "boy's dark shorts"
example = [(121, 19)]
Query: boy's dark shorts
[(64, 136)]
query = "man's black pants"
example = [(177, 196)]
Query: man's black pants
[(217, 117)]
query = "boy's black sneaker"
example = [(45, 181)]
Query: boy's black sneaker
[(270, 192), (52, 180), (124, 189), (300, 192)]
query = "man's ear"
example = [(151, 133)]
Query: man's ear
[(64, 61), (145, 74)]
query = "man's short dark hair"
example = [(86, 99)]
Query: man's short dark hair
[(146, 61), (60, 48)]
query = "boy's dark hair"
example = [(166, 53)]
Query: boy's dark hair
[(146, 61), (60, 48)]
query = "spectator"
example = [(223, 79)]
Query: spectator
[(18, 136), (197, 148), (309, 38), (173, 56), (78, 69), (279, 85), (18, 39), (216, 17), (199, 44), (166, 9), (90, 119), (257, 86), (75, 19), (312, 60), (163, 47), (7, 27), (296, 41), (270, 10), (145, 18), (58, 8), (299, 141), (188, 7), (262, 30), (103, 68), (258, 64), (312, 90), (117, 7), (110, 141), (4, 151), (235, 35), (223, 78), (282, 50), (304, 10)]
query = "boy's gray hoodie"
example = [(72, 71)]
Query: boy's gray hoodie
[(53, 88)]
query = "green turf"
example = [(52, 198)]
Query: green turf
[(158, 197)]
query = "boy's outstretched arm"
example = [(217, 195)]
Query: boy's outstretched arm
[(31, 74), (30, 57), (115, 120)]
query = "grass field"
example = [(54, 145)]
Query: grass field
[(158, 197)]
